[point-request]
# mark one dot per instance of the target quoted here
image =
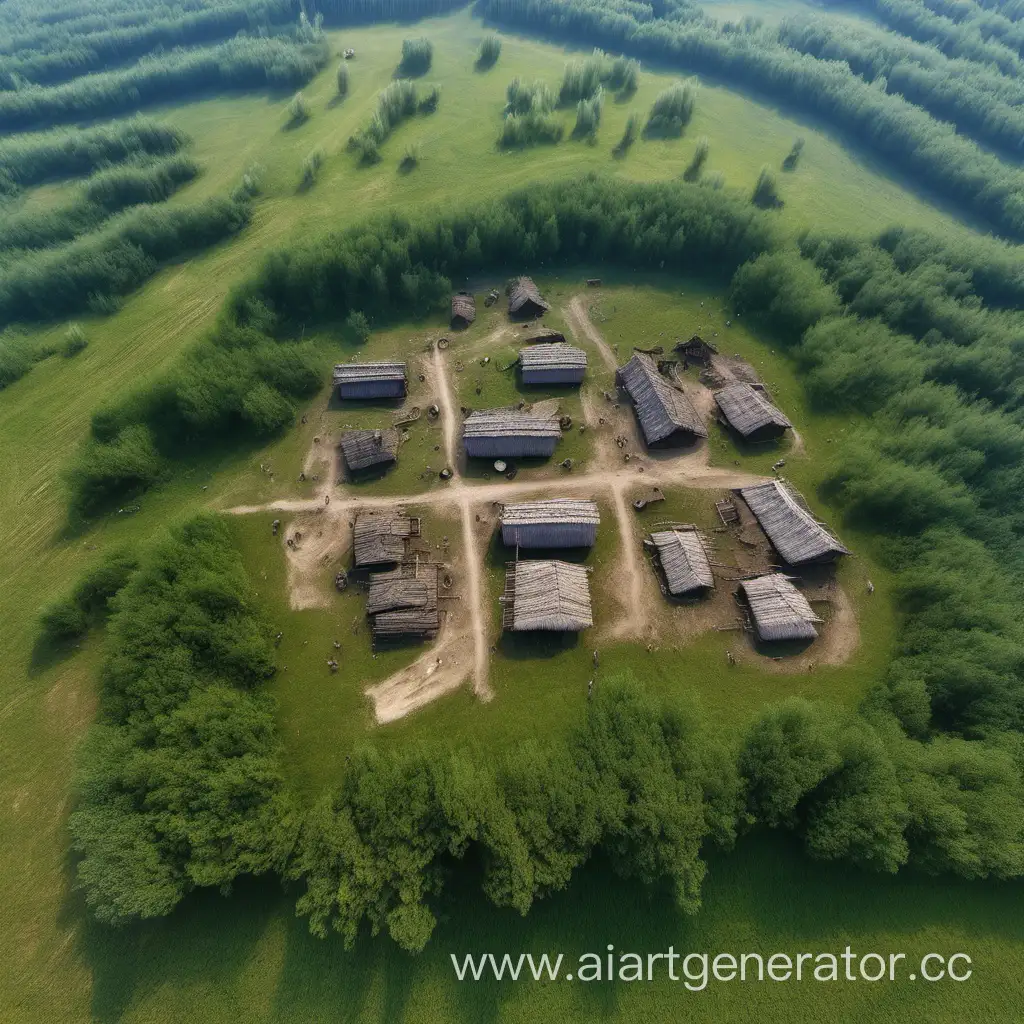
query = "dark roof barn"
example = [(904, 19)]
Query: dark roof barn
[(779, 610), (364, 448), (683, 559), (789, 524), (524, 300), (666, 415), (463, 309), (751, 413)]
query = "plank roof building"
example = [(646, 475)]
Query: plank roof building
[(380, 538), (552, 363), (370, 380), (779, 610), (463, 309), (546, 595), (666, 415), (403, 603), (751, 413), (509, 433), (788, 523), (683, 559), (362, 449), (555, 523), (696, 350), (524, 300)]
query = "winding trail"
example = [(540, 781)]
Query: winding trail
[(581, 323)]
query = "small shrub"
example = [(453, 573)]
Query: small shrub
[(624, 75), (74, 341), (671, 111), (417, 55), (358, 326), (700, 155), (629, 135), (793, 157), (488, 54), (526, 99), (62, 621), (428, 104), (766, 191), (298, 111), (530, 129), (311, 167), (410, 159), (715, 181), (342, 79), (588, 117)]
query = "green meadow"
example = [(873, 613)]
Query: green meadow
[(245, 957)]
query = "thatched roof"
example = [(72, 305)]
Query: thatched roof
[(509, 423), (463, 307), (353, 373), (661, 408), (364, 448), (411, 585), (748, 410), (552, 356), (546, 595), (524, 298), (794, 532), (551, 511), (779, 610), (684, 560), (382, 537)]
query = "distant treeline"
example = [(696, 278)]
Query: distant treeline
[(928, 773), (104, 194), (245, 62), (343, 12), (73, 152), (979, 100), (889, 125), (67, 52)]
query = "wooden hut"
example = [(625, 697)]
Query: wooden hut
[(683, 560), (509, 433), (779, 610), (403, 603), (553, 363), (666, 415), (546, 595), (749, 411), (362, 449), (789, 524), (696, 350), (370, 380), (463, 309), (524, 300), (555, 523), (382, 537)]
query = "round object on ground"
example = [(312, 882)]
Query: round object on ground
[(500, 466), (445, 474), (443, 343)]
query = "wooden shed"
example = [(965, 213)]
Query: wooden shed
[(779, 610), (509, 433), (546, 595), (463, 309), (524, 300), (666, 415), (748, 410), (403, 603), (555, 523), (362, 449), (696, 350), (552, 363), (683, 559), (382, 537), (789, 524), (370, 380)]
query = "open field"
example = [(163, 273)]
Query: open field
[(247, 958)]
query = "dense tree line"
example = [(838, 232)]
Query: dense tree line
[(89, 602), (981, 102), (242, 63), (71, 152), (888, 125), (180, 782), (104, 194), (69, 52)]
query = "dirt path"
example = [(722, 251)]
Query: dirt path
[(475, 599), (633, 616), (579, 320), (447, 407)]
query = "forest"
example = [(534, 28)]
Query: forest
[(928, 773)]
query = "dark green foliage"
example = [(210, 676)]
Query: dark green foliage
[(75, 341), (671, 111), (298, 111), (121, 467), (18, 354), (588, 117), (643, 783), (358, 326), (582, 79), (105, 193), (68, 153), (311, 168), (241, 63), (697, 161), (417, 55), (398, 102), (342, 80), (488, 54), (793, 156), (528, 118), (629, 134), (89, 603), (180, 783), (766, 191)]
